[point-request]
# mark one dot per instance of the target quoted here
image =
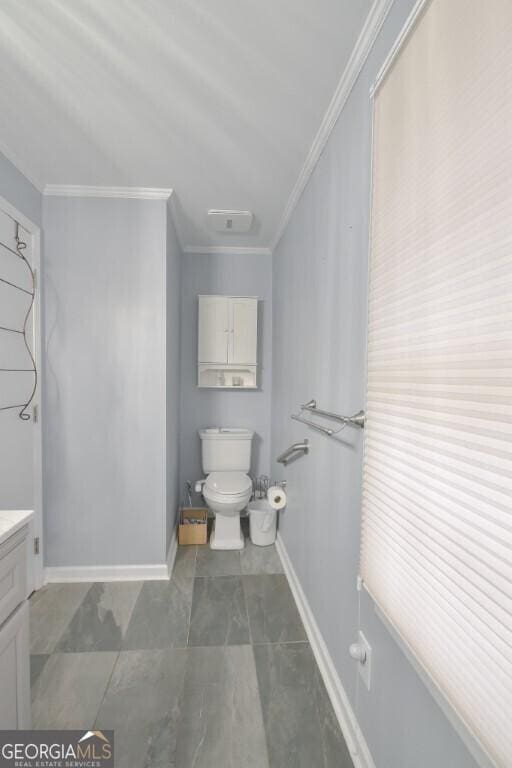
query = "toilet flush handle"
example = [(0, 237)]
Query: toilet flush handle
[(199, 486)]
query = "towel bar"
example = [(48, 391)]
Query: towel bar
[(357, 420), (325, 430)]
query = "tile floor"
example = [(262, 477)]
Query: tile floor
[(211, 669)]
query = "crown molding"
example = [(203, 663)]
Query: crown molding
[(374, 21), (231, 250), (78, 190), (402, 38)]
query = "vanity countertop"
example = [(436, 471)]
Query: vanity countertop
[(11, 520)]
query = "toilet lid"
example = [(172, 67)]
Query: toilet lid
[(228, 482)]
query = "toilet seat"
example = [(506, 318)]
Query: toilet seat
[(228, 485)]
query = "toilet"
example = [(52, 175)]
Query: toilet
[(226, 459)]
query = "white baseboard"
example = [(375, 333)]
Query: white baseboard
[(171, 553), (69, 574), (346, 717)]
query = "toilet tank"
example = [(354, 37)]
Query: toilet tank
[(225, 450)]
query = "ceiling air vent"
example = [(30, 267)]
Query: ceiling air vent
[(230, 221)]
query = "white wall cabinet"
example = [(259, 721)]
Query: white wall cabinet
[(228, 342)]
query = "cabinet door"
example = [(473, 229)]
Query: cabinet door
[(243, 331), (13, 573), (15, 671), (213, 329)]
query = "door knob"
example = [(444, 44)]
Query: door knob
[(358, 652)]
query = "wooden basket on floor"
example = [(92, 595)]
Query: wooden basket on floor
[(193, 526)]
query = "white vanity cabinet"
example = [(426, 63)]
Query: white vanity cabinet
[(14, 631), (228, 342)]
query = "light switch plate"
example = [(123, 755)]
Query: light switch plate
[(365, 670)]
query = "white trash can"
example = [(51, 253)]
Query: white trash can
[(262, 523)]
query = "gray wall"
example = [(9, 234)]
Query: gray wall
[(319, 332), (19, 191), (173, 328), (249, 275), (105, 286)]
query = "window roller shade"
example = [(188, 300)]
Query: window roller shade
[(436, 550)]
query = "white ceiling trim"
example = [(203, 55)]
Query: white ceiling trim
[(231, 250), (136, 193), (364, 43)]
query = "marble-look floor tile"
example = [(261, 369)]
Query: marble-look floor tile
[(221, 722), (102, 618), (273, 615), (219, 613), (142, 705), (211, 562), (301, 727), (161, 616), (185, 563), (259, 560), (69, 690), (51, 610), (37, 662)]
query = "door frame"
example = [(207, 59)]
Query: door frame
[(34, 562)]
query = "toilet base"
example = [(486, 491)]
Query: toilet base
[(226, 533)]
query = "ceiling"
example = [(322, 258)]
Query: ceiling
[(220, 100)]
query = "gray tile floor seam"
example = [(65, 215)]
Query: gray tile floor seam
[(255, 645), (184, 552), (248, 619), (190, 620), (107, 688), (261, 705), (195, 562), (281, 642)]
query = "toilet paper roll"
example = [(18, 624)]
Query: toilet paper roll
[(276, 497)]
